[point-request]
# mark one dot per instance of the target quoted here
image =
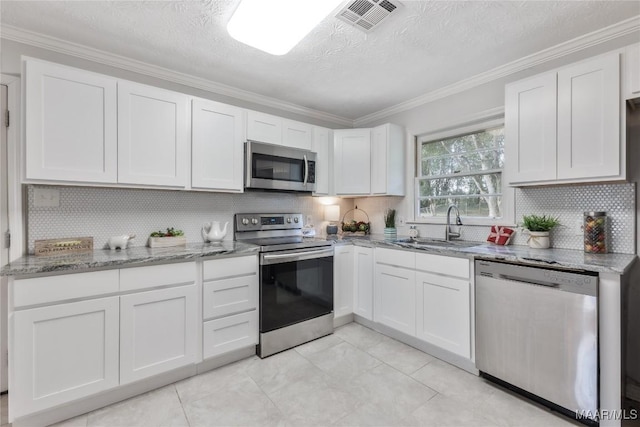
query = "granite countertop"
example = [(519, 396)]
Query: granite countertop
[(131, 257), (137, 256), (552, 257)]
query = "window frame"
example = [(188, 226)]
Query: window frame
[(508, 213)]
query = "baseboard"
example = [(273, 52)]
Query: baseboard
[(342, 320), (447, 356)]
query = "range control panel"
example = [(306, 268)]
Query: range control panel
[(258, 222)]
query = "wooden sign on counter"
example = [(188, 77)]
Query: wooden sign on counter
[(71, 245)]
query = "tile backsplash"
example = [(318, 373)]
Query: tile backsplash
[(106, 212), (566, 202)]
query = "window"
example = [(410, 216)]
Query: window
[(465, 170)]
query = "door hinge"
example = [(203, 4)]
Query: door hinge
[(7, 239), (6, 118)]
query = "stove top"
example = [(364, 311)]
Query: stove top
[(274, 232)]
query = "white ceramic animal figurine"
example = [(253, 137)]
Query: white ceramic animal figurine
[(211, 231), (120, 242)]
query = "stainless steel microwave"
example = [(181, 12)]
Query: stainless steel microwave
[(274, 167)]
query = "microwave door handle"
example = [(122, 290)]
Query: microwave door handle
[(306, 170)]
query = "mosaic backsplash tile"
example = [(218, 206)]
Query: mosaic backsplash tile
[(568, 203), (106, 212)]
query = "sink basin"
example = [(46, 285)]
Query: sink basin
[(436, 243)]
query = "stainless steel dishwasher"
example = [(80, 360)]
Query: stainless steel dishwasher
[(537, 330)]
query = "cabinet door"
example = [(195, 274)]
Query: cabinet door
[(321, 147), (530, 129), (589, 119), (158, 331), (217, 155), (264, 128), (352, 161), (395, 298), (63, 353), (229, 333), (70, 125), (632, 71), (153, 136), (444, 312), (379, 154), (343, 280), (363, 282), (296, 134)]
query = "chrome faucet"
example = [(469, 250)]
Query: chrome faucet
[(448, 234)]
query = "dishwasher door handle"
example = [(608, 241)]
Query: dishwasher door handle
[(528, 281)]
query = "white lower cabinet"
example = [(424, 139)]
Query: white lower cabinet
[(62, 353), (395, 296), (229, 333), (444, 312), (363, 282), (158, 331), (343, 278), (229, 305)]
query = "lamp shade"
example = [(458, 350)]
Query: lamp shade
[(332, 213)]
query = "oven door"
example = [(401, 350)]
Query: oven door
[(295, 286), (273, 167)]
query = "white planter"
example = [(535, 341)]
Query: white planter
[(538, 239)]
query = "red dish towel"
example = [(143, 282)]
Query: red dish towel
[(500, 235)]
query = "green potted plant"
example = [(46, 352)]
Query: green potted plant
[(539, 228), (390, 224)]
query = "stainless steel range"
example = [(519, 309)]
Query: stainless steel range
[(296, 280)]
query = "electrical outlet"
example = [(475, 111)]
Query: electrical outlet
[(46, 198), (401, 220), (308, 221), (578, 227)]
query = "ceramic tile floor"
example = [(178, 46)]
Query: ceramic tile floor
[(355, 377)]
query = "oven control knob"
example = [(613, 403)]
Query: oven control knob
[(296, 220), (245, 221), (288, 220), (254, 221)]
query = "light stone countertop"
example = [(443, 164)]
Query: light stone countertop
[(138, 256), (131, 257)]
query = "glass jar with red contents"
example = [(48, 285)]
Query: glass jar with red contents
[(595, 232)]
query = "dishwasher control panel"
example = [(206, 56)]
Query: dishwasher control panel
[(585, 283)]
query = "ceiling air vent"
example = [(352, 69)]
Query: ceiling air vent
[(367, 14)]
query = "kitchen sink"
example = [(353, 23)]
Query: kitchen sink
[(436, 243)]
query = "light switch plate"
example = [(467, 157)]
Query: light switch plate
[(46, 197)]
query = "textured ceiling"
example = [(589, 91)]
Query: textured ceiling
[(336, 69)]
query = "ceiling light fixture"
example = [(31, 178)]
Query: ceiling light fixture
[(276, 26)]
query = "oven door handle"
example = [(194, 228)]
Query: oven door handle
[(306, 169), (266, 259)]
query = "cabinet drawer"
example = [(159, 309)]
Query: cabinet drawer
[(228, 296), (137, 278), (396, 257), (41, 290), (229, 267), (450, 266), (229, 333)]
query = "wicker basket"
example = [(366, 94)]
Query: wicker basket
[(355, 228)]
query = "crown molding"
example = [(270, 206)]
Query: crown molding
[(31, 38), (594, 38)]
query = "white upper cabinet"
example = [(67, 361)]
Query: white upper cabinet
[(586, 127), (352, 162), (589, 119), (387, 160), (71, 124), (530, 129), (217, 150), (297, 134), (153, 136), (321, 146), (264, 127), (632, 71), (276, 130)]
